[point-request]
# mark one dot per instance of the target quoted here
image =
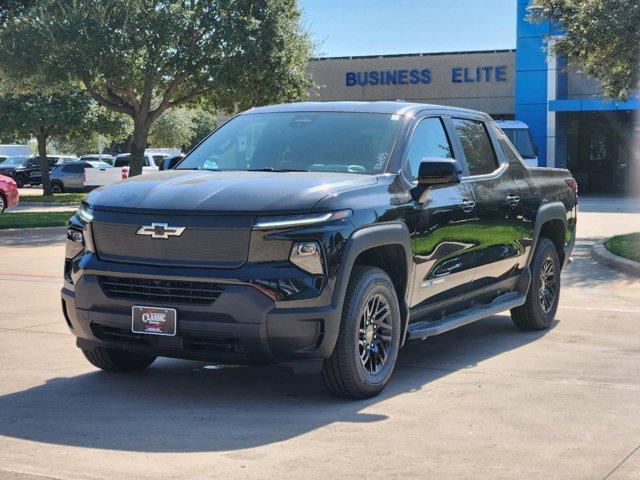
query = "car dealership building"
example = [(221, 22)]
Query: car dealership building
[(571, 125)]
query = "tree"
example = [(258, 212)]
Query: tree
[(602, 39), (40, 116), (204, 122), (99, 125), (127, 53), (182, 127), (173, 128)]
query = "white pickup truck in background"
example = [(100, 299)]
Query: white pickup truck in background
[(520, 136), (98, 177)]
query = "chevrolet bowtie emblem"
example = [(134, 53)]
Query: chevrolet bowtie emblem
[(160, 230)]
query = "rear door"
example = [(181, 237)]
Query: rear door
[(444, 230), (74, 175), (499, 249)]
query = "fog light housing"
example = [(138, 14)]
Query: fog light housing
[(308, 257)]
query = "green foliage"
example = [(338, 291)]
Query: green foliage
[(602, 40), (626, 246), (233, 53), (41, 116), (181, 127), (204, 122), (34, 219), (25, 115), (100, 125), (173, 128)]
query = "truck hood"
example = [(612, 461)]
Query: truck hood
[(232, 191)]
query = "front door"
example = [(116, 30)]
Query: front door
[(444, 230)]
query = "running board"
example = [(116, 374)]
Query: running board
[(422, 330)]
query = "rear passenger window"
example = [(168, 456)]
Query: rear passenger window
[(429, 140), (509, 150), (476, 145)]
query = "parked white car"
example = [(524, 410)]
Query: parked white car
[(98, 177)]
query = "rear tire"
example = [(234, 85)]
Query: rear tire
[(369, 338), (20, 180), (115, 360), (3, 203), (543, 295)]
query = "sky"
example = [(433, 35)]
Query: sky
[(377, 27)]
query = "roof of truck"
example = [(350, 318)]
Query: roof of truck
[(398, 107)]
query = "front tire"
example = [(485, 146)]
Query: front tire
[(57, 187), (369, 339), (20, 181), (3, 203), (115, 360), (543, 295)]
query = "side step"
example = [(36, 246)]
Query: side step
[(422, 330)]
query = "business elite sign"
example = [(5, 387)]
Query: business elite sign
[(423, 76)]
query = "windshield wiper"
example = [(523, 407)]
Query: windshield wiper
[(271, 169)]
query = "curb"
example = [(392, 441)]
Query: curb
[(22, 233), (607, 258)]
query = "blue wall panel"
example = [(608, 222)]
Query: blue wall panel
[(531, 79), (531, 87)]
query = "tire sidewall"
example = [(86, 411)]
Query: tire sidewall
[(3, 203), (20, 181), (546, 250), (375, 284)]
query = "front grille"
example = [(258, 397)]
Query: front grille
[(206, 241), (165, 291)]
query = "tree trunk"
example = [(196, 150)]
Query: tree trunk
[(138, 145), (44, 163)]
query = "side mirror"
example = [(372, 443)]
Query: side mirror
[(438, 171), (170, 162)]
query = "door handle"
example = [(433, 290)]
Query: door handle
[(513, 200), (468, 205)]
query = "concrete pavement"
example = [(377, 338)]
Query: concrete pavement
[(485, 401)]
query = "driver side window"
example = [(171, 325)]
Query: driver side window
[(429, 139)]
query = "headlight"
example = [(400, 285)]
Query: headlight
[(84, 214), (288, 221), (308, 257)]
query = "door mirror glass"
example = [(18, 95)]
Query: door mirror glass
[(438, 171)]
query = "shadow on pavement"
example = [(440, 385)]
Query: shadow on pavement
[(178, 406)]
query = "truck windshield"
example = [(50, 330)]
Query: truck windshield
[(300, 141), (521, 139)]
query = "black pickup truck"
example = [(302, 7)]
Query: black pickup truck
[(321, 235)]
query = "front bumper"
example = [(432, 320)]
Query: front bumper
[(243, 325)]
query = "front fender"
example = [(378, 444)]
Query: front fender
[(392, 233)]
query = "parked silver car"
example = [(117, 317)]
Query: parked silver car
[(69, 177)]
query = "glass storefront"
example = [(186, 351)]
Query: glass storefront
[(599, 150)]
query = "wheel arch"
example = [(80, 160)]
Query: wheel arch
[(379, 245), (551, 223)]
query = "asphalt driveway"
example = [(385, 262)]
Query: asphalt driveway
[(485, 401)]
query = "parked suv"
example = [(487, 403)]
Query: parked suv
[(322, 235), (25, 170), (69, 177)]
